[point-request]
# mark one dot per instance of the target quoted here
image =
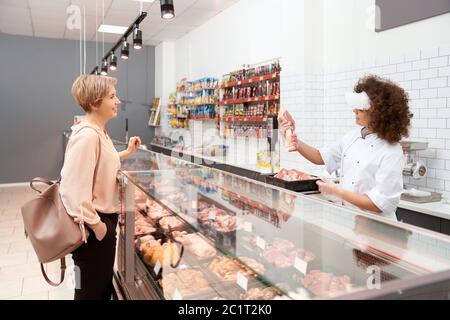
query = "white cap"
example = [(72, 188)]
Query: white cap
[(357, 100)]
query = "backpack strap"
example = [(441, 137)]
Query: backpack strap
[(98, 158), (63, 270), (41, 180)]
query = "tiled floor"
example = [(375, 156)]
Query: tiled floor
[(20, 274)]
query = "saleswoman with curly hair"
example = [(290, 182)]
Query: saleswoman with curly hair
[(370, 159)]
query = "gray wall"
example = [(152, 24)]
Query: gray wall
[(36, 106)]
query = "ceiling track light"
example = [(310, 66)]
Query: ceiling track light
[(125, 51), (124, 37), (137, 38), (167, 12), (113, 61), (167, 9), (104, 70)]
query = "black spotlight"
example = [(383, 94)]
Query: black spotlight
[(137, 38), (167, 10), (113, 61), (125, 49), (104, 71)]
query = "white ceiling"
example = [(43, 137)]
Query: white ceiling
[(47, 18)]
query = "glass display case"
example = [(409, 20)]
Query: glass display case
[(191, 232)]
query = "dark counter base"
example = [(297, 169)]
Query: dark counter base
[(423, 220)]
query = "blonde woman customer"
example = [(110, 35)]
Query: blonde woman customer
[(94, 202)]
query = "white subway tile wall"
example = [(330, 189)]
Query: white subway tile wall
[(425, 75), (303, 96)]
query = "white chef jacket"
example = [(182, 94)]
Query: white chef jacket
[(370, 166)]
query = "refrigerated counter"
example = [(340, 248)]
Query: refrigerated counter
[(193, 232)]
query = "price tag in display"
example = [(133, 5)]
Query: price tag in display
[(157, 267), (261, 243), (177, 295), (301, 265), (248, 226), (242, 281), (212, 215)]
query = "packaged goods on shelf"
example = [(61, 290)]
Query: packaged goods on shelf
[(248, 98), (203, 112), (248, 72), (252, 110), (263, 89), (245, 130), (199, 97)]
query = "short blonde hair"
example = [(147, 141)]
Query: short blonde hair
[(89, 89)]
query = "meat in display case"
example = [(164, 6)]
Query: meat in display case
[(191, 232)]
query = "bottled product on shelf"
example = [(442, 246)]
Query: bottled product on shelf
[(249, 96), (245, 130), (261, 89), (200, 84), (247, 72), (178, 114), (253, 110), (195, 98)]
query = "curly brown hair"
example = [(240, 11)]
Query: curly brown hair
[(389, 115)]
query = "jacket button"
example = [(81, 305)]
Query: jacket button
[(353, 182), (357, 162)]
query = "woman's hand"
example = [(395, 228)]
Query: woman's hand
[(287, 130), (133, 144), (285, 125), (362, 201), (329, 187), (293, 143), (99, 228)]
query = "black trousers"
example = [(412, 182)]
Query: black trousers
[(94, 263)]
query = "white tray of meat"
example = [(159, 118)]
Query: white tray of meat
[(293, 180)]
